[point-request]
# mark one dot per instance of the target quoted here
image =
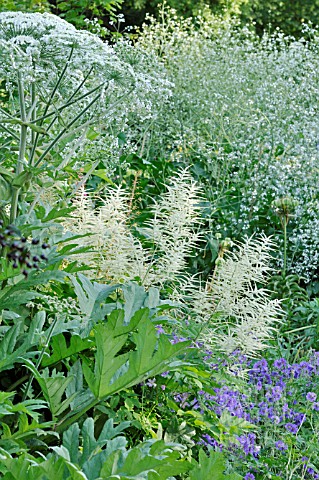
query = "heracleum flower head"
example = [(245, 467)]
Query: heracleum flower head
[(37, 45)]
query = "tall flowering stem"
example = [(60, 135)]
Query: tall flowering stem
[(22, 149), (61, 83)]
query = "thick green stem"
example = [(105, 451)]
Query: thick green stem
[(33, 116), (65, 423), (72, 122), (285, 248), (22, 149), (49, 102)]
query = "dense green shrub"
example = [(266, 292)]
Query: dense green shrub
[(25, 5), (264, 15), (286, 15)]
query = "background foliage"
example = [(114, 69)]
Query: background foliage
[(262, 15)]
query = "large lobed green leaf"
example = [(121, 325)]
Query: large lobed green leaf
[(149, 355)]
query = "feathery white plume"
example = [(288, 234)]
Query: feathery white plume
[(244, 314), (117, 255)]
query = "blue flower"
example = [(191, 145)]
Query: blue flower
[(280, 445), (151, 383), (311, 397), (280, 363), (159, 329), (291, 427)]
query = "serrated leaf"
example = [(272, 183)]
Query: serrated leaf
[(91, 455), (91, 295), (9, 353), (71, 442), (143, 463), (53, 388), (61, 351), (212, 466), (114, 371), (109, 431)]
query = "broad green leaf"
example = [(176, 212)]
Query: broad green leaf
[(27, 467), (140, 462), (20, 293), (9, 352), (109, 431), (89, 442), (57, 213), (91, 295), (134, 296), (212, 467), (114, 371), (19, 469), (96, 462), (71, 442), (109, 341), (53, 388), (76, 386), (61, 351), (75, 474), (91, 455)]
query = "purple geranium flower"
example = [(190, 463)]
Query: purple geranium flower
[(291, 427), (160, 329), (249, 476), (280, 445), (311, 397)]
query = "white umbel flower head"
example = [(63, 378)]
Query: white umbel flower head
[(38, 45)]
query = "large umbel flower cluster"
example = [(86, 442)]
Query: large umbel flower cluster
[(70, 90), (36, 46)]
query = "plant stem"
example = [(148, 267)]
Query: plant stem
[(64, 423), (22, 149), (285, 247), (25, 394), (33, 115), (49, 102), (57, 138)]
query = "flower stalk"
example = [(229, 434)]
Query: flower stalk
[(22, 150)]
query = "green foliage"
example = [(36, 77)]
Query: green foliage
[(283, 14), (148, 356), (149, 461), (212, 466), (25, 5), (98, 380), (77, 11)]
